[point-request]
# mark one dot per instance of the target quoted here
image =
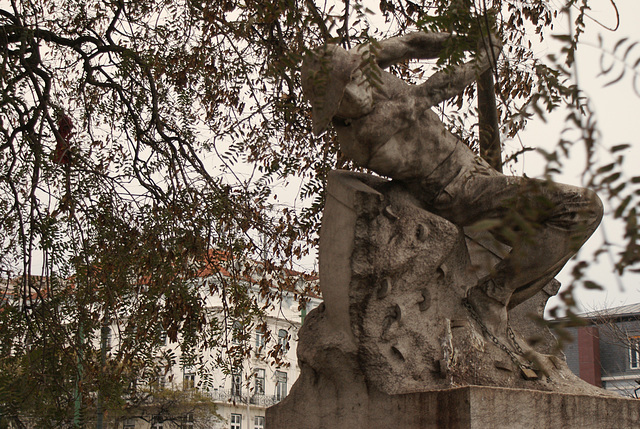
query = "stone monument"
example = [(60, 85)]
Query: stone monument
[(429, 279)]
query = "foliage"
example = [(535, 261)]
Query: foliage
[(121, 124), (141, 142), (530, 87)]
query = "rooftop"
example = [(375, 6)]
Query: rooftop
[(622, 311)]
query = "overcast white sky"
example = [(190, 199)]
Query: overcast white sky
[(618, 113), (617, 109)]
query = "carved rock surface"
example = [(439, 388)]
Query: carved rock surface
[(408, 270), (394, 277)]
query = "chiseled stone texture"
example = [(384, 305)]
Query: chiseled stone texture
[(471, 407), (393, 277), (393, 345)]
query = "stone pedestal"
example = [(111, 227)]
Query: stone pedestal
[(395, 346), (470, 407)]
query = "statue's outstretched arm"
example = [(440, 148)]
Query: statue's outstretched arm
[(445, 84), (413, 46)]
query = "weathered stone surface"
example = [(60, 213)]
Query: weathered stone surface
[(394, 278), (393, 342), (387, 125), (471, 407), (416, 306)]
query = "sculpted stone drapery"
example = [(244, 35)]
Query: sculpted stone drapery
[(387, 125), (425, 322)]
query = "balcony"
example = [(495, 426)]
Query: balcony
[(228, 396)]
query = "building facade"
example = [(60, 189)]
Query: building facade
[(606, 350), (241, 397)]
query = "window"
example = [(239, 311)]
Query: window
[(162, 381), (282, 338), (132, 330), (187, 422), (188, 378), (158, 423), (133, 385), (281, 385), (237, 332), (634, 352), (259, 381), (259, 341), (129, 424), (107, 337), (236, 421), (258, 422), (236, 384)]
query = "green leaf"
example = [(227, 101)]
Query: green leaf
[(629, 48), (606, 168), (562, 37), (617, 79), (611, 178), (615, 191), (620, 147), (588, 284), (622, 207), (619, 43)]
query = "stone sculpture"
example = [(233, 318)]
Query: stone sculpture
[(414, 304), (388, 126)]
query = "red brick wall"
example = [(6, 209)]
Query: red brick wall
[(589, 352)]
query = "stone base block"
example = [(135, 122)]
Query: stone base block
[(471, 407)]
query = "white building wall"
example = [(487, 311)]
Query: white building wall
[(248, 404)]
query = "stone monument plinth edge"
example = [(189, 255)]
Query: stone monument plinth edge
[(468, 407)]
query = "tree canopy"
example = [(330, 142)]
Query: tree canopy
[(142, 139)]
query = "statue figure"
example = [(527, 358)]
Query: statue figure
[(418, 327), (387, 125)]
